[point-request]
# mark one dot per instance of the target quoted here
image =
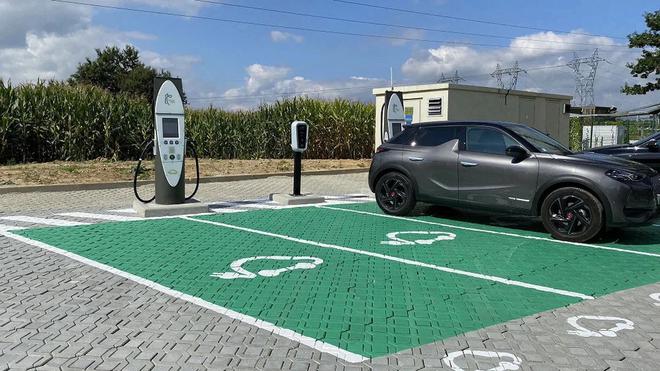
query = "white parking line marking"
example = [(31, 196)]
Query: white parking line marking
[(115, 218), (260, 206), (4, 228), (124, 211), (493, 232), (286, 333), (400, 260), (222, 210), (32, 219)]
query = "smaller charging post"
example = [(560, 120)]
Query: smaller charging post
[(299, 141), (299, 134)]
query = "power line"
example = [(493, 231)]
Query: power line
[(455, 79), (344, 33), (513, 72), (400, 26), (584, 84), (286, 93), (467, 19), (238, 97)]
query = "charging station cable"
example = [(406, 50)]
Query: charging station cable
[(138, 170), (191, 143)]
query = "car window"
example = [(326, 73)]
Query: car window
[(488, 140), (543, 142), (404, 137), (655, 136), (435, 136)]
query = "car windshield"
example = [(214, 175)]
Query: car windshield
[(542, 142), (644, 140)]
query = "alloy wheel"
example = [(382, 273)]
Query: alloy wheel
[(570, 215), (394, 193)]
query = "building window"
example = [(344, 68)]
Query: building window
[(435, 107)]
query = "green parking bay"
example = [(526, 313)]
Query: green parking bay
[(354, 280)]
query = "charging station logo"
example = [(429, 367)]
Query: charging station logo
[(169, 99)]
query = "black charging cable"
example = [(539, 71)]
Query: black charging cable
[(191, 143), (138, 170)]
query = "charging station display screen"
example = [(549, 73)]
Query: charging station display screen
[(170, 128), (302, 136)]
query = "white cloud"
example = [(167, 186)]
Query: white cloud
[(260, 77), (269, 83), (189, 7), (408, 36), (362, 78), (279, 37), (168, 62), (531, 51), (47, 40), (18, 18), (52, 56)]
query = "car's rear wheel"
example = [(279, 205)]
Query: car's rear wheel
[(395, 194), (572, 214)]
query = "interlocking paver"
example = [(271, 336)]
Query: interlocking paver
[(54, 295)]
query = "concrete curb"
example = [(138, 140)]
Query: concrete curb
[(129, 184)]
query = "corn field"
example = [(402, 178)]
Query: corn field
[(55, 121)]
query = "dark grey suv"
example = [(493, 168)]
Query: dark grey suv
[(512, 168)]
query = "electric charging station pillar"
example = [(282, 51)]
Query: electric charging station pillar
[(169, 149), (169, 142), (299, 140)]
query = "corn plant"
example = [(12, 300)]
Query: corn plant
[(49, 121)]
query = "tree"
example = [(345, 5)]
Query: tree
[(649, 63), (119, 71)]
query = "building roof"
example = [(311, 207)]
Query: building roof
[(474, 88)]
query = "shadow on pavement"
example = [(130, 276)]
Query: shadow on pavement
[(634, 236)]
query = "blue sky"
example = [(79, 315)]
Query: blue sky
[(227, 61)]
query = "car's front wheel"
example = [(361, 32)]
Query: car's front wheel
[(395, 194), (572, 214)]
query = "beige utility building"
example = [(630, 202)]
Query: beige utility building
[(548, 113)]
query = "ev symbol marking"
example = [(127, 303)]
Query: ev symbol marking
[(656, 297), (395, 240), (621, 324), (508, 361), (240, 272)]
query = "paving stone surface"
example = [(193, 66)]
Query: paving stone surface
[(57, 313), (25, 203)]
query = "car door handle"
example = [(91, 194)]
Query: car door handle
[(469, 164), (413, 158)]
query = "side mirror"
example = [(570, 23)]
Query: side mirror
[(652, 145), (517, 152)]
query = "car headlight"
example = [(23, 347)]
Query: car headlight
[(624, 176)]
